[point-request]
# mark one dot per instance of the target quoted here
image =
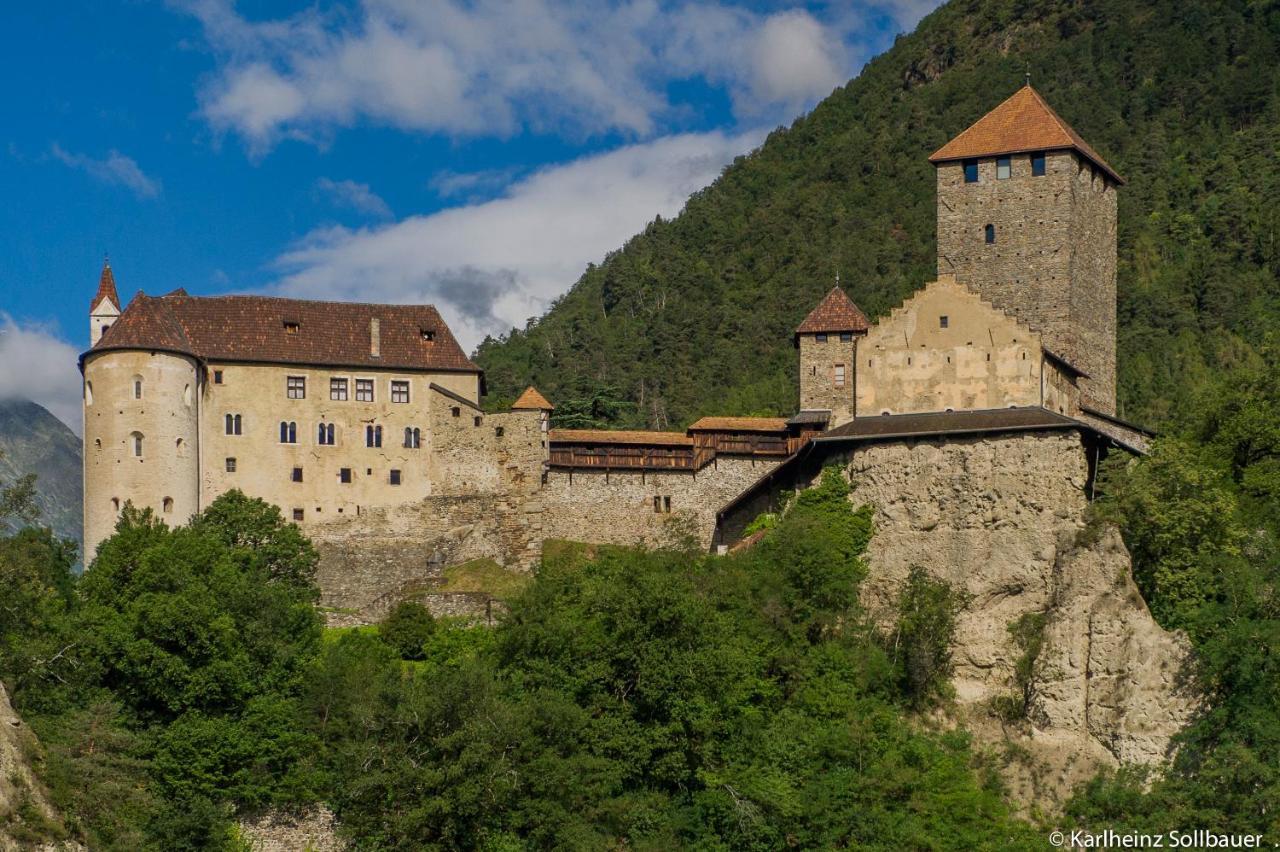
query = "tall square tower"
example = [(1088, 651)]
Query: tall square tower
[(828, 344), (1027, 219)]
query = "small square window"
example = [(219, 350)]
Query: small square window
[(456, 411), (231, 465), (477, 421), (217, 377), (1004, 168), (846, 337), (970, 171), (338, 389), (820, 338), (399, 391), (943, 321), (344, 476), (498, 431), (1037, 164), (297, 474), (297, 514), (290, 327), (296, 387), (395, 477), (364, 390)]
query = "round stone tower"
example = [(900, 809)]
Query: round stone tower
[(141, 436)]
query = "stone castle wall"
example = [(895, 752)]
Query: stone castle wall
[(1052, 264), (618, 508)]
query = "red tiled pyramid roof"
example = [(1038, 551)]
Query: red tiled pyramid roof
[(253, 328), (531, 399), (836, 312), (1023, 122), (106, 287)]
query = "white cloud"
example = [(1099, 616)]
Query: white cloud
[(36, 364), (490, 266), (494, 67), (115, 169), (356, 196)]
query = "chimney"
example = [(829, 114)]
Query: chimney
[(375, 339)]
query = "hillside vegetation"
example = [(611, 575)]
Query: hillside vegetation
[(694, 316)]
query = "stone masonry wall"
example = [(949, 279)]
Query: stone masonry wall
[(1001, 519), (818, 389), (618, 508)]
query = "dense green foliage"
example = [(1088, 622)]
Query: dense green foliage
[(694, 315)]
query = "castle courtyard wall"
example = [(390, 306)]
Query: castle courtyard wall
[(618, 508)]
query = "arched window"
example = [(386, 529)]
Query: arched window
[(186, 395), (237, 424), (373, 436), (412, 438), (181, 447), (989, 233), (233, 424), (137, 444), (97, 443), (288, 432), (115, 504), (88, 393), (137, 387), (168, 505), (325, 434)]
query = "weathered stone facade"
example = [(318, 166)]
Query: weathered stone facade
[(1051, 258), (619, 508), (309, 830), (945, 349), (827, 374)]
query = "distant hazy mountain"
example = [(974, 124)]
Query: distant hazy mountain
[(34, 441)]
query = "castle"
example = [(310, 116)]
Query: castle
[(363, 422)]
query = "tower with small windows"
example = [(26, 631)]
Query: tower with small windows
[(140, 418), (828, 344), (1027, 219)]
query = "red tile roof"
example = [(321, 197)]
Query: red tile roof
[(253, 328), (618, 436), (1024, 122), (531, 399), (106, 287), (739, 424), (836, 312)]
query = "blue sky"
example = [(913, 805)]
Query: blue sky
[(476, 155)]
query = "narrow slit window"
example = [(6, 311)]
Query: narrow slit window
[(989, 234), (231, 465)]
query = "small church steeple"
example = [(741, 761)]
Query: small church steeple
[(105, 307)]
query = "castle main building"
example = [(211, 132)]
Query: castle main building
[(364, 420)]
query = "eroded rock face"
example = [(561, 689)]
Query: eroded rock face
[(1001, 519), (27, 820)]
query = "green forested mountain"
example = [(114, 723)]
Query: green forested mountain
[(695, 314)]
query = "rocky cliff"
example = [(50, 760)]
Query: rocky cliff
[(34, 441), (1003, 520), (27, 820)]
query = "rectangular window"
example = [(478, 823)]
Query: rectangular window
[(217, 377), (338, 389), (943, 321), (666, 504), (364, 390), (296, 387), (1037, 164), (297, 474), (657, 503), (970, 171), (1004, 168), (839, 375), (399, 391), (344, 476), (395, 477), (820, 338), (846, 337), (297, 514), (456, 411), (231, 465)]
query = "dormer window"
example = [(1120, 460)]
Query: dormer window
[(970, 171), (428, 334), (1004, 168), (290, 327)]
